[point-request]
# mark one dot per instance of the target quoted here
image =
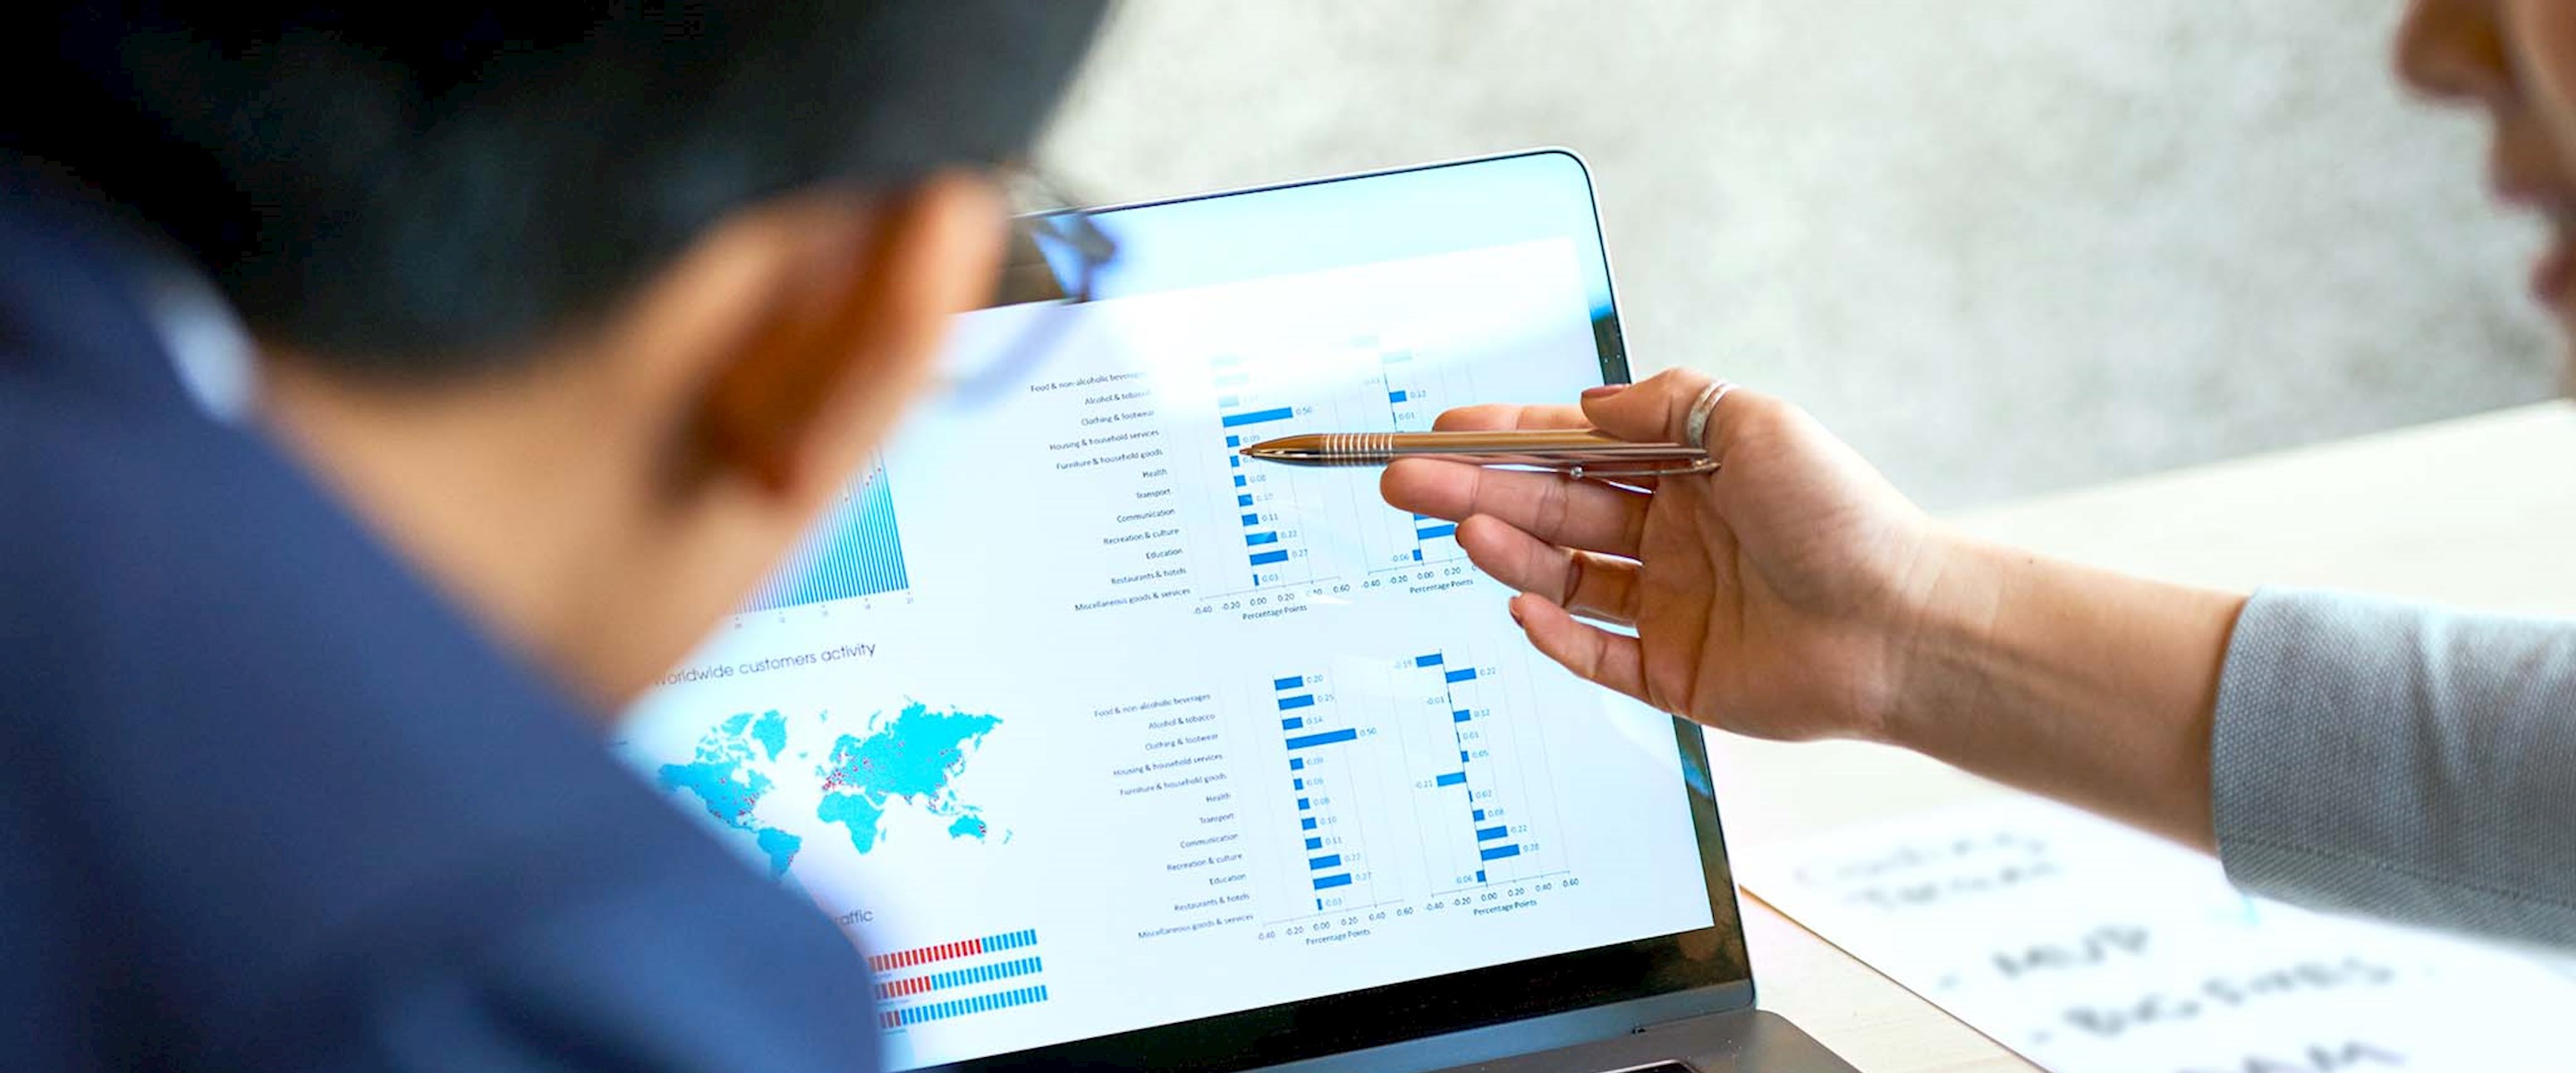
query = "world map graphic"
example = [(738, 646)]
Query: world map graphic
[(911, 761)]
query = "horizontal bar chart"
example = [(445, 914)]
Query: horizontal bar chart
[(959, 1007), (925, 955), (937, 981)]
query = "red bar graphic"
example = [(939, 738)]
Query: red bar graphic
[(925, 955)]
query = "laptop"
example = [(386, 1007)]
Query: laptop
[(1114, 749)]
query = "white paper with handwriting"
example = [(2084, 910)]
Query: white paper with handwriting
[(2091, 948)]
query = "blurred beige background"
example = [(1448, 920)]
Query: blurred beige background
[(2005, 246)]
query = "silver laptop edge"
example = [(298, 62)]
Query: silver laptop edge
[(1531, 1035)]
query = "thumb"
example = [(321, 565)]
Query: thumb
[(1652, 410)]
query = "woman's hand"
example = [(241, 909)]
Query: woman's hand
[(1794, 594), (1780, 597)]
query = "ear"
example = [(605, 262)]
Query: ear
[(847, 335)]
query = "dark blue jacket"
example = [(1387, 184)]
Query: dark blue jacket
[(268, 803)]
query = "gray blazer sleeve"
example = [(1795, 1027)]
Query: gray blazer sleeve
[(2401, 761)]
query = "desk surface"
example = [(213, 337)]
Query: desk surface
[(2475, 512)]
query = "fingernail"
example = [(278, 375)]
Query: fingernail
[(1604, 391), (1515, 608)]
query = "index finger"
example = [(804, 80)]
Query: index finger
[(1495, 416)]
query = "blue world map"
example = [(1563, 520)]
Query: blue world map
[(910, 761)]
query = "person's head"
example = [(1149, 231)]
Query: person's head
[(2517, 60), (589, 307)]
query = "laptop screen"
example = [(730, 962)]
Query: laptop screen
[(1101, 740)]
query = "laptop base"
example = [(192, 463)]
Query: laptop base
[(1738, 1041)]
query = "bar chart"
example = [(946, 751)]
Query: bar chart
[(971, 979), (1266, 503), (1325, 780), (1415, 394), (856, 550), (1303, 525), (1408, 778), (1480, 798)]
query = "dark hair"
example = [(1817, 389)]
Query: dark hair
[(420, 190)]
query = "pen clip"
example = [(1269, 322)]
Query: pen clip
[(1587, 455), (1580, 471)]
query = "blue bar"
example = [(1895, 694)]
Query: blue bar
[(1436, 531), (1318, 864), (1234, 460), (1488, 834), (1480, 877), (1499, 852), (1395, 396), (1258, 416), (1302, 806), (1307, 824), (1432, 660), (1314, 843), (1319, 905), (984, 973), (1234, 441), (1291, 682), (1330, 882), (1458, 717), (1254, 540), (1424, 518), (1251, 519), (1468, 675), (1268, 557), (1480, 815), (1301, 700), (1393, 356), (1329, 737), (1462, 756), (1291, 724), (1296, 763), (1240, 480), (1417, 555), (854, 550), (1233, 380), (1228, 401), (1244, 500), (1300, 784), (939, 1011), (1454, 778)]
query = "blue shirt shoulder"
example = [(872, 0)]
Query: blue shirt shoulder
[(273, 804)]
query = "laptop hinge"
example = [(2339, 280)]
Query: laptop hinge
[(1734, 999), (1533, 1035)]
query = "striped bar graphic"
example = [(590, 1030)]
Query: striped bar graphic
[(980, 974), (924, 955), (856, 550), (959, 1007)]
